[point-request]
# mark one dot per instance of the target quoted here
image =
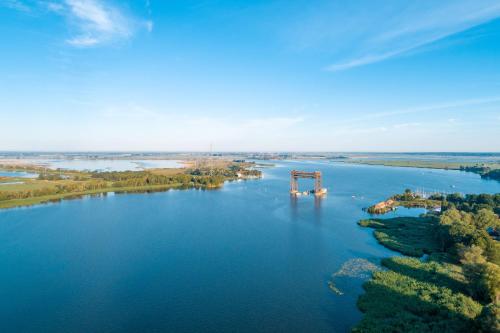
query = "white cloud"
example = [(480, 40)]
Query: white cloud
[(97, 22), (55, 7), (82, 41), (95, 16), (364, 60), (92, 22)]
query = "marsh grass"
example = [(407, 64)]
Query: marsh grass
[(427, 294), (409, 297), (413, 236)]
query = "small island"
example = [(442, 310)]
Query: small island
[(449, 278), (408, 199), (54, 185)]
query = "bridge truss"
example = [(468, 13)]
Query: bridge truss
[(295, 175)]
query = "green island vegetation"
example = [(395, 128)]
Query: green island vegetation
[(485, 170), (454, 287), (54, 185), (408, 199)]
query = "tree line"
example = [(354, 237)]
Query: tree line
[(484, 171), (116, 179)]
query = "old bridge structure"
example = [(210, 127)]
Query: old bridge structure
[(294, 182)]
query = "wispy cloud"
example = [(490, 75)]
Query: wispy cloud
[(373, 31), (97, 22), (54, 7), (364, 60), (92, 22), (83, 41), (15, 4)]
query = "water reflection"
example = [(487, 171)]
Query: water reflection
[(317, 207), (294, 207)]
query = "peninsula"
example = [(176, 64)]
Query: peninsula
[(485, 170), (54, 185)]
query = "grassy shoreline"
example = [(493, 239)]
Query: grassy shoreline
[(418, 234), (454, 288), (485, 170), (73, 195), (423, 164)]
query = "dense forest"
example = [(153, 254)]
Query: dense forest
[(455, 287)]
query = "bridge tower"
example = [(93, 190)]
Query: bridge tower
[(294, 182)]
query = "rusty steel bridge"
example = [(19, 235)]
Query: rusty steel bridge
[(294, 182)]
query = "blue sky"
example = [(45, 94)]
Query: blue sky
[(171, 75)]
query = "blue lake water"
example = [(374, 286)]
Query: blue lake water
[(20, 174), (246, 258)]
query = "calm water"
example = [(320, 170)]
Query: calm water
[(246, 258), (21, 174), (106, 165)]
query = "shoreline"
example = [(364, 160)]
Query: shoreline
[(438, 165), (19, 203), (432, 281)]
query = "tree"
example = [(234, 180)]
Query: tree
[(490, 279), (489, 319), (473, 266), (449, 216), (485, 218), (472, 255), (455, 198), (483, 276)]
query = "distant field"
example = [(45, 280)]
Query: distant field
[(25, 186), (423, 164), (166, 172)]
